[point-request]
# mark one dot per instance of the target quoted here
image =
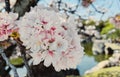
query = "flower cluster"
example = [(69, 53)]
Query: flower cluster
[(116, 21), (51, 38), (49, 35), (7, 25)]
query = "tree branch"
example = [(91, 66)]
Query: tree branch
[(7, 6), (23, 54), (8, 63)]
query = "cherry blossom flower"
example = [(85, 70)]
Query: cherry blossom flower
[(7, 25), (59, 45), (51, 38), (37, 58)]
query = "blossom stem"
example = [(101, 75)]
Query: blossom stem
[(26, 65), (7, 6), (23, 54), (96, 9), (8, 63)]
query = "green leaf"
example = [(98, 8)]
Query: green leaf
[(17, 61), (105, 72), (115, 35), (107, 27)]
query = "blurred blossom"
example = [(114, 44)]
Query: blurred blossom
[(51, 38), (86, 3), (7, 25), (116, 21)]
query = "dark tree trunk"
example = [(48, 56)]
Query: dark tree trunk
[(23, 6), (42, 71)]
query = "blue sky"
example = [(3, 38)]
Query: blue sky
[(112, 7)]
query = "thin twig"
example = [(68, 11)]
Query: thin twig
[(97, 9), (27, 66), (8, 63), (106, 12), (59, 4)]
